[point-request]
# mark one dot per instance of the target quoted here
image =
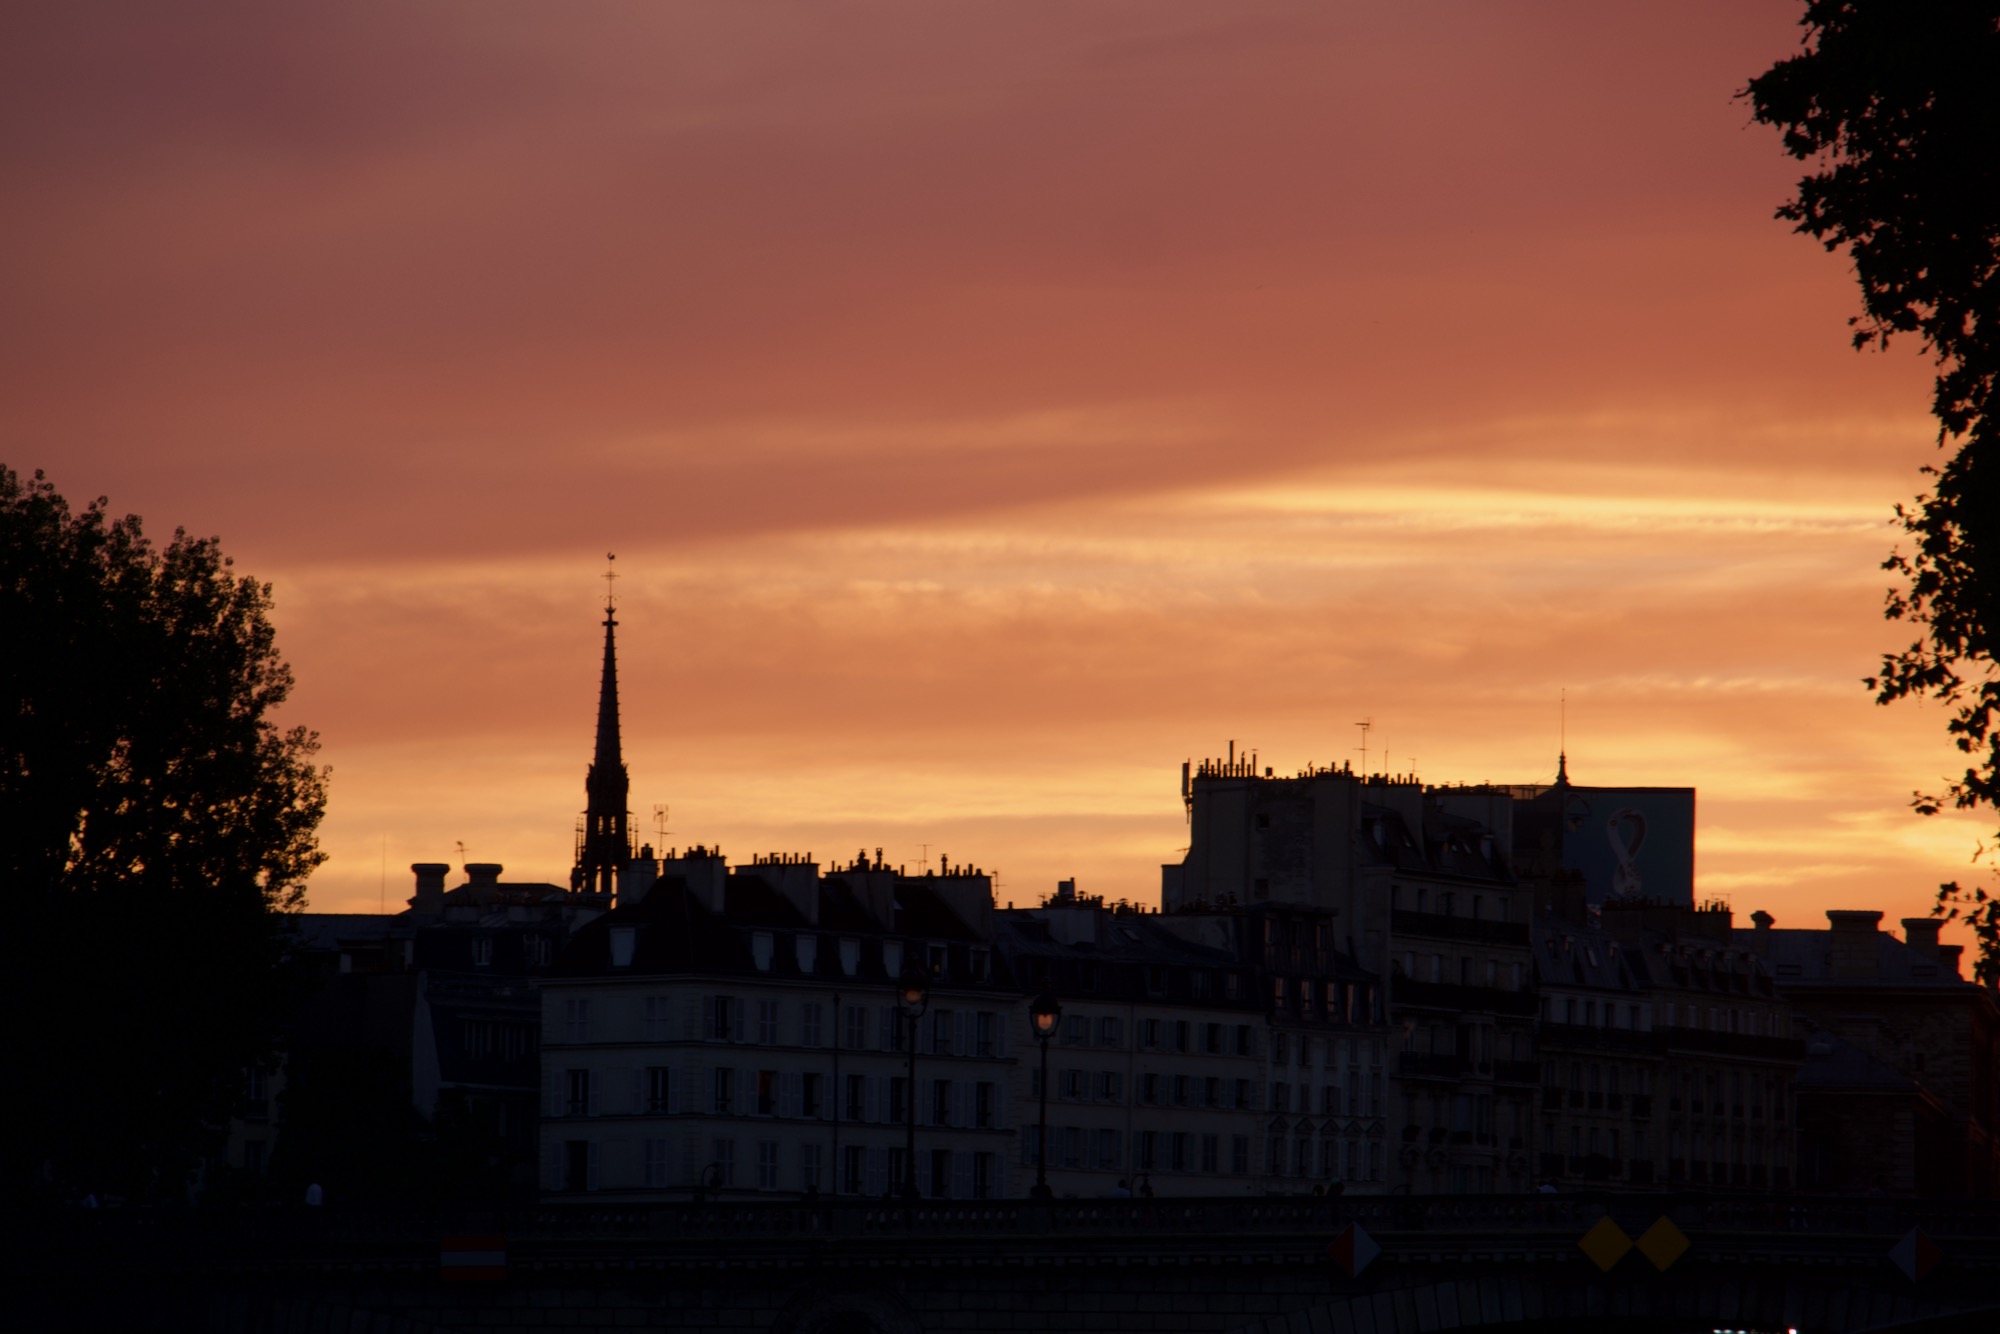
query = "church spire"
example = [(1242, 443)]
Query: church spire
[(603, 838)]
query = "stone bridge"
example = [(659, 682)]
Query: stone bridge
[(1815, 1265)]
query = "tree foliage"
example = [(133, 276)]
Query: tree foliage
[(1896, 105), (156, 826)]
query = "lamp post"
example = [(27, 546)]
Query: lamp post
[(913, 993), (1044, 1014)]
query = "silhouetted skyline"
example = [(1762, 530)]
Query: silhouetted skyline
[(991, 407)]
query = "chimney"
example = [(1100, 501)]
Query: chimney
[(483, 879), (429, 898), (1948, 959), (636, 877), (1760, 939), (1921, 935), (1852, 949)]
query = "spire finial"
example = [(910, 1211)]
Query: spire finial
[(610, 582)]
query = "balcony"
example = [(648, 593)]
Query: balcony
[(1516, 1072), (1733, 1044), (1429, 1065), (1459, 999), (1437, 926)]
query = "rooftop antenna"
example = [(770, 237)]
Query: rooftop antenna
[(1364, 726), (461, 852), (660, 830)]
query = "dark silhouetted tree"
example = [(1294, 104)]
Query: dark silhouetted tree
[(1896, 105), (156, 827)]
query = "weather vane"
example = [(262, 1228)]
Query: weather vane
[(610, 580)]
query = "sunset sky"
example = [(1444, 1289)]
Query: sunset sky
[(990, 405)]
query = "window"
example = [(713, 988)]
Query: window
[(721, 1027), (941, 1102), (1211, 1039), (1149, 1032), (809, 1097), (767, 1093), (1210, 1152), (1180, 1090), (1243, 1095), (944, 1029), (767, 1164), (1072, 1084), (657, 1088), (725, 1090), (656, 1163), (940, 1174), (1110, 1086), (1110, 1032), (659, 1018), (576, 1014), (809, 1167), (1145, 1150), (809, 1025), (985, 1034), (767, 1023), (1232, 986), (982, 965), (937, 957), (900, 1105), (723, 1162), (857, 1097), (1076, 1029), (482, 951), (857, 1028), (576, 1164), (1177, 1152), (982, 1105), (853, 1168), (578, 1102), (1181, 1034), (1149, 1088), (1246, 1040)]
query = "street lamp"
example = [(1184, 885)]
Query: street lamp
[(913, 994), (1044, 1014)]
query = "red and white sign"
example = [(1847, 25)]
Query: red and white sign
[(473, 1259)]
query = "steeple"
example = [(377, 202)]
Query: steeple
[(603, 839), (1562, 768)]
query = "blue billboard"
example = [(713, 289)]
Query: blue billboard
[(1627, 843)]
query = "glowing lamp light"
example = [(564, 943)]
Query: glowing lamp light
[(1044, 1013)]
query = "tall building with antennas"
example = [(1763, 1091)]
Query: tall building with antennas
[(603, 835)]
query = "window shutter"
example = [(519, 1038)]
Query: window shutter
[(961, 1175), (690, 1170), (961, 1104), (1003, 1022), (553, 1080), (739, 1020), (590, 1157), (888, 1028), (878, 1172), (697, 1093), (788, 1094), (707, 1017), (596, 1078), (638, 1103)]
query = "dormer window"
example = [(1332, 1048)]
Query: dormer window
[(982, 965), (762, 945), (850, 956), (937, 957)]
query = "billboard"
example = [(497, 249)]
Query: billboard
[(1627, 843)]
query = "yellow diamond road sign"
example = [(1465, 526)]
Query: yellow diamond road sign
[(1605, 1243), (1663, 1243)]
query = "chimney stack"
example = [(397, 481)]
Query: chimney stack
[(429, 898), (483, 879), (1921, 935), (1852, 944)]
